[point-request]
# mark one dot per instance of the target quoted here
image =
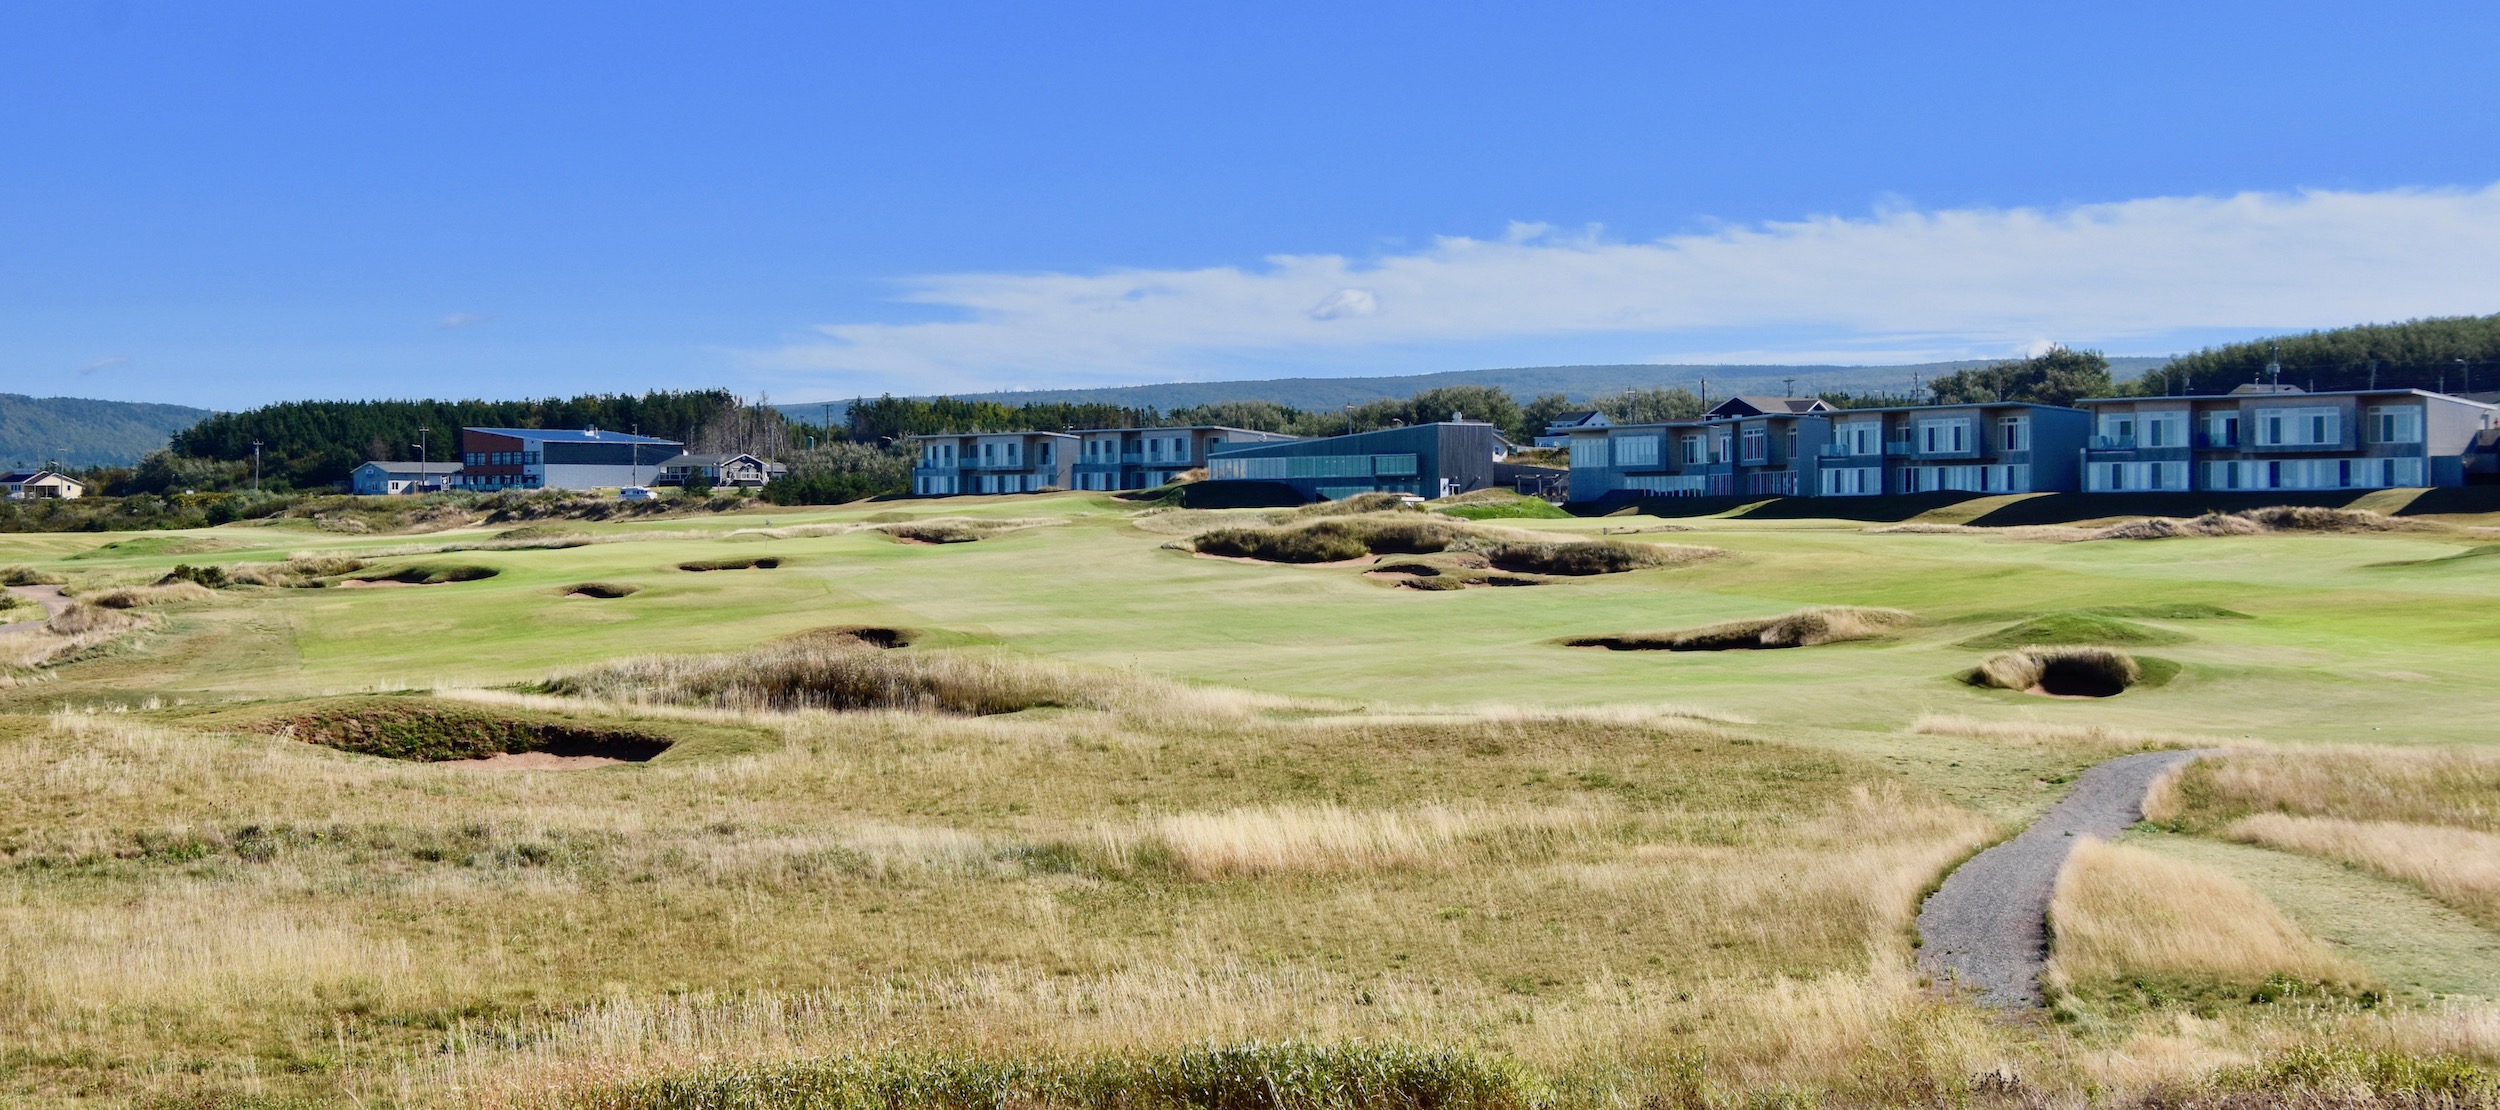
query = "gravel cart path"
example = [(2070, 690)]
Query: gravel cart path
[(1986, 928)]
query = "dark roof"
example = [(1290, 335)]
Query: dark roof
[(15, 477), (1566, 419), (1746, 405), (2293, 394), (571, 435), (414, 468)]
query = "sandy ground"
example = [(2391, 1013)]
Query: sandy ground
[(1986, 928), (533, 761), (47, 596)]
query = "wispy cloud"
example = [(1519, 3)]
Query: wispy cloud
[(1899, 284), (113, 362), (458, 320)]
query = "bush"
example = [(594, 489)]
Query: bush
[(212, 577), (22, 575), (134, 597)]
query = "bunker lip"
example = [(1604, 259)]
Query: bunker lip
[(599, 591), (420, 574), (760, 562), (443, 734), (533, 761), (875, 636), (1357, 561)]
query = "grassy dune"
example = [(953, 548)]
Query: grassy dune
[(1112, 818)]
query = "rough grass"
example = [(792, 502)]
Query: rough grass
[(1266, 1076), (429, 732), (2056, 629), (139, 597), (846, 672), (2122, 913), (2062, 671), (1810, 627), (751, 562), (951, 529), (2460, 788), (426, 574), (2460, 867), (1498, 504)]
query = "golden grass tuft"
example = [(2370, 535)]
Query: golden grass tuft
[(2357, 782), (2043, 734), (2460, 867), (847, 673), (1276, 840), (136, 597), (2122, 912)]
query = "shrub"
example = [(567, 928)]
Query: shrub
[(212, 577), (2064, 671)]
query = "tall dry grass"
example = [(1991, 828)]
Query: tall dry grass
[(2360, 783), (2460, 867), (2045, 734), (842, 674), (2122, 912), (1809, 627)]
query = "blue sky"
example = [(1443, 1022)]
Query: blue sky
[(225, 204)]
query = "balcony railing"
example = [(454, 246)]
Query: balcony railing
[(1900, 447), (1842, 451), (2216, 443), (2113, 443)]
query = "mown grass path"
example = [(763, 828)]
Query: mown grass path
[(1986, 928)]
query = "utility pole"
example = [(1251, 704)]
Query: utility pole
[(256, 466), (2466, 369), (421, 457), (2374, 373)]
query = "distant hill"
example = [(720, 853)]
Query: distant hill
[(77, 432), (1577, 382)]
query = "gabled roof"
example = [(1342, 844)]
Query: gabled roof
[(571, 435), (1748, 405), (21, 477), (1585, 418)]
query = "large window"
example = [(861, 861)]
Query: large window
[(1695, 451), (2131, 477), (1853, 481), (2308, 427), (1586, 451), (1636, 451), (1671, 485), (2222, 429), (1311, 466), (2117, 429), (1863, 437), (2014, 433), (1943, 437), (1757, 445), (2162, 429), (2396, 424)]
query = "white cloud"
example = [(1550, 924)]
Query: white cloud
[(1894, 286), (109, 362), (458, 320)]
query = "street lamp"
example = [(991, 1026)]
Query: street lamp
[(256, 466)]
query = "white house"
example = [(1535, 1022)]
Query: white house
[(32, 485)]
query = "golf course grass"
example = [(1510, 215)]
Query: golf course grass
[(1033, 784)]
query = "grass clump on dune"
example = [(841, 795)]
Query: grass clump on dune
[(1499, 504), (951, 529), (434, 732), (1583, 557), (1811, 627), (137, 597), (1334, 539), (2057, 629), (2090, 672), (427, 574), (837, 672), (2257, 522), (1269, 1076), (22, 575)]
